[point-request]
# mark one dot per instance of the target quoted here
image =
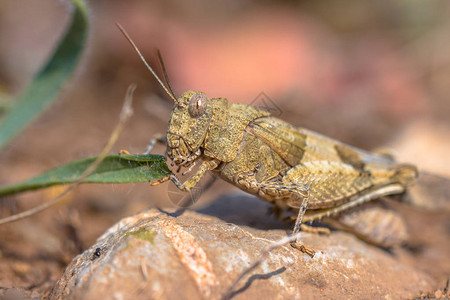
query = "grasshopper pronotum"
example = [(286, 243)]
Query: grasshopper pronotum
[(292, 168)]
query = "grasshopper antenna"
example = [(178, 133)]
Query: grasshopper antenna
[(163, 67), (168, 91)]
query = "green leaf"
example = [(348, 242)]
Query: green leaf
[(42, 90), (115, 168)]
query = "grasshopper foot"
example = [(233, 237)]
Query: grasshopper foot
[(124, 152), (159, 181), (308, 251)]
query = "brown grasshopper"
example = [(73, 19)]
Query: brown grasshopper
[(292, 168)]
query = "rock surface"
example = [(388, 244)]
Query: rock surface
[(157, 255)]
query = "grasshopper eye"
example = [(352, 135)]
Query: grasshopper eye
[(197, 105)]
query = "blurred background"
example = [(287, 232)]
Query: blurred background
[(369, 73)]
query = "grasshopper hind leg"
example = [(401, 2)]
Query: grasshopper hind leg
[(375, 225), (298, 227), (372, 194)]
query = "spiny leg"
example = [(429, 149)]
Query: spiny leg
[(275, 210), (189, 169), (191, 182), (298, 226), (273, 191), (194, 179), (301, 213), (294, 193)]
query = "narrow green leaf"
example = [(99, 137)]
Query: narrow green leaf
[(42, 90), (115, 168)]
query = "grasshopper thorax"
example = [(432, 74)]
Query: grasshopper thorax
[(188, 127)]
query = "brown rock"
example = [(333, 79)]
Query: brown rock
[(156, 255)]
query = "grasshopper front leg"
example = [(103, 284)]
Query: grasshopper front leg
[(194, 179), (158, 138), (274, 191)]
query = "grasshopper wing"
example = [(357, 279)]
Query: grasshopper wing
[(298, 145), (332, 170)]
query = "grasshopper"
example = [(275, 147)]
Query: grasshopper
[(293, 168)]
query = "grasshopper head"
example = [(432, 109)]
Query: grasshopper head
[(189, 121), (188, 127)]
